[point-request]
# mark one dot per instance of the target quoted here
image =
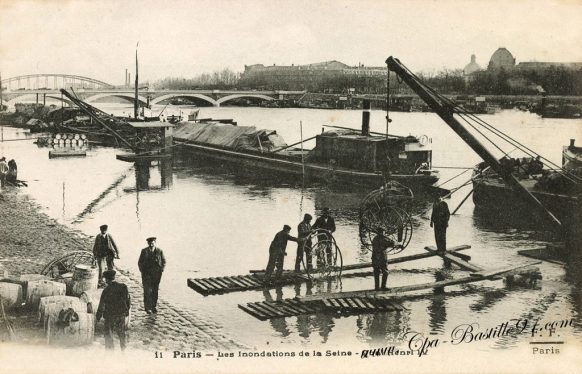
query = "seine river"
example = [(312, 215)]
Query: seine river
[(212, 221)]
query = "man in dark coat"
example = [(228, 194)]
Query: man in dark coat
[(326, 222), (277, 253), (114, 307), (380, 244), (104, 250), (304, 243), (151, 265), (439, 219)]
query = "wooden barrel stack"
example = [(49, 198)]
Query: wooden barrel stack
[(84, 279), (69, 140)]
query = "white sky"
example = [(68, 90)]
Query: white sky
[(185, 38)]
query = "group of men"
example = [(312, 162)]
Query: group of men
[(8, 171), (380, 244), (115, 301), (277, 250)]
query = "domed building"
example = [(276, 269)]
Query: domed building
[(501, 58), (471, 67)]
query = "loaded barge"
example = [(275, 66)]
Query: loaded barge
[(340, 155)]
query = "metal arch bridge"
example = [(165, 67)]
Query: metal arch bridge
[(213, 97), (52, 81)]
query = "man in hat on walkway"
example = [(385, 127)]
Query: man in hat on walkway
[(151, 265), (304, 243), (114, 307), (439, 219), (104, 249), (380, 244), (326, 222), (277, 253)]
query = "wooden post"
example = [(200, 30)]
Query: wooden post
[(302, 159)]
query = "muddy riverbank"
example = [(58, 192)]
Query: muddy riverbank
[(29, 239)]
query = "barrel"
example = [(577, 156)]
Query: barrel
[(67, 279), (91, 298), (52, 305), (84, 279), (41, 288), (11, 295), (77, 137), (77, 333), (83, 137), (25, 278), (57, 136)]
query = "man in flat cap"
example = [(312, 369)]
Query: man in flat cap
[(151, 265), (277, 253), (104, 250), (114, 307)]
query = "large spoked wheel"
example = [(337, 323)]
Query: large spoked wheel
[(383, 209), (67, 263), (327, 260)]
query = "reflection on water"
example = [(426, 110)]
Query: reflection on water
[(213, 220)]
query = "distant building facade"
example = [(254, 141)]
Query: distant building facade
[(328, 76), (470, 68)]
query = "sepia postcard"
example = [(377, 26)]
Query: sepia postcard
[(290, 186)]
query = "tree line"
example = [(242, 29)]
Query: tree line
[(553, 80)]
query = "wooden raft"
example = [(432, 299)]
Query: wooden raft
[(254, 281), (264, 310), (221, 285)]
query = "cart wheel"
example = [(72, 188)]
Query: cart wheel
[(327, 260), (66, 263)]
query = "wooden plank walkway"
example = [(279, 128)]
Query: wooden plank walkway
[(254, 280), (398, 291), (264, 310)]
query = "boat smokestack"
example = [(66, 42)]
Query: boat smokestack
[(366, 118), (572, 141), (126, 80)]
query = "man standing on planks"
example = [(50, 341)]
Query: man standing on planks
[(380, 244), (114, 307), (104, 249), (277, 253), (325, 222), (439, 219), (304, 243), (151, 264)]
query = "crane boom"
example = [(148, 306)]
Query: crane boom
[(445, 111)]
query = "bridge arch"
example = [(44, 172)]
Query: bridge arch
[(238, 96), (27, 97), (127, 96), (65, 80), (198, 96)]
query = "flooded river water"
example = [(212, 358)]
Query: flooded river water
[(211, 221)]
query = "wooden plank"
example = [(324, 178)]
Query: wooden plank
[(343, 303), (327, 303), (290, 307), (457, 261), (220, 282), (299, 305), (396, 260), (193, 283), (273, 308), (246, 281), (217, 286), (491, 273), (273, 312), (285, 308), (335, 304), (252, 312), (351, 303), (258, 311), (237, 282), (368, 304), (211, 287), (298, 309), (359, 302), (462, 256)]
